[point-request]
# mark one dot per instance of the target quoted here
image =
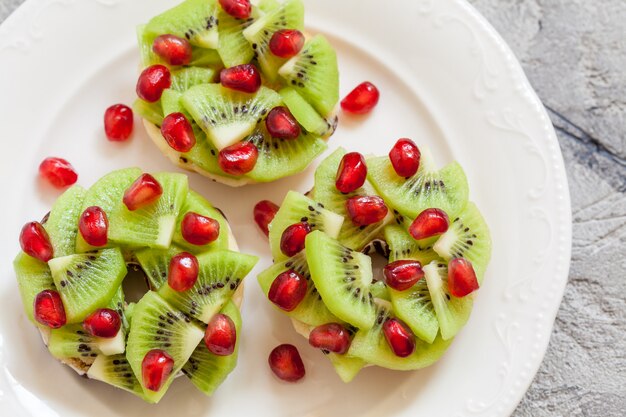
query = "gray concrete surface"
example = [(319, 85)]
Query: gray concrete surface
[(574, 52)]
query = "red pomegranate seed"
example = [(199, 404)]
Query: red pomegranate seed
[(461, 277), (281, 124), (221, 335), (103, 322), (239, 9), (94, 226), (400, 337), (405, 157), (35, 241), (402, 275), (178, 132), (156, 367), (362, 99), (366, 210), (286, 363), (145, 190), (286, 43), (199, 230), (332, 337), (292, 239), (58, 172), (152, 81), (430, 222), (183, 272), (238, 159), (174, 50), (49, 310), (118, 122), (264, 212), (246, 78), (288, 290), (351, 173)]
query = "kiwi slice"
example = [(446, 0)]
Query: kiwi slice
[(445, 189), (306, 115), (298, 208), (158, 325), (403, 246), (87, 281), (311, 311), (149, 111), (452, 313), (208, 371), (72, 341), (353, 236), (153, 225), (233, 48), (467, 237), (289, 15), (228, 116), (380, 290), (195, 20), (267, 6), (62, 224), (343, 278), (115, 370), (220, 274), (347, 367), (313, 73), (155, 264), (185, 78), (33, 276)]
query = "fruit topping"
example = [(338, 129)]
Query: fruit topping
[(103, 322), (430, 222), (288, 290), (173, 49), (286, 363), (286, 43), (281, 124), (461, 278), (403, 274), (245, 78), (49, 309), (332, 337), (400, 338), (94, 226), (178, 132), (239, 9), (362, 99), (351, 173), (156, 367), (405, 158), (183, 272), (58, 172), (292, 239), (366, 210), (220, 336), (118, 122), (264, 212), (199, 230), (152, 81), (34, 240), (144, 191), (238, 159)]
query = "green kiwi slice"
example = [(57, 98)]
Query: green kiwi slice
[(151, 112), (233, 48), (33, 276), (380, 290), (313, 73), (195, 20), (115, 370), (72, 341), (206, 370), (158, 325), (305, 114), (221, 273), (153, 225), (298, 208), (353, 236), (445, 189), (185, 78), (155, 264), (62, 224), (343, 278), (467, 237), (228, 116), (311, 311), (452, 313), (267, 6), (289, 15), (347, 367)]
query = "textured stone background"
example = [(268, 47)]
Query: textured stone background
[(574, 52)]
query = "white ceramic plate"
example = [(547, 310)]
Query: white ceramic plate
[(447, 80)]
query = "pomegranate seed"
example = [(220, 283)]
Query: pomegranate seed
[(221, 335), (286, 43), (156, 367), (145, 190), (103, 322), (281, 124), (244, 78), (118, 122), (288, 290), (199, 230), (58, 172), (332, 337), (264, 212), (174, 50), (94, 226), (35, 241), (366, 210), (400, 337), (49, 309), (461, 277), (239, 9), (178, 132), (351, 173), (402, 275), (183, 272), (362, 99), (292, 239), (405, 158), (152, 81), (286, 363), (238, 159), (430, 222)]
